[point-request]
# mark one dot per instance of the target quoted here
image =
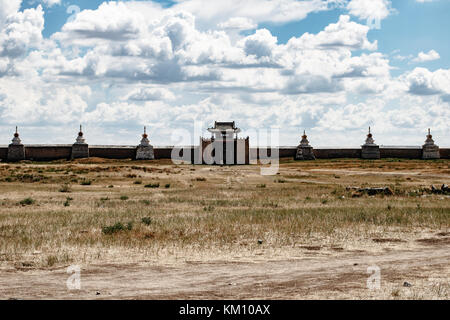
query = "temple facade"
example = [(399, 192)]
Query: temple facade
[(224, 147)]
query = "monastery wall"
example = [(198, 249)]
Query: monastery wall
[(57, 152)]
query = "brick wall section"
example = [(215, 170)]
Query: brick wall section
[(48, 153), (405, 153), (445, 153), (56, 152), (163, 153), (110, 152), (3, 153), (337, 153)]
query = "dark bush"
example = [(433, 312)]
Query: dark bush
[(146, 220), (27, 202), (152, 185)]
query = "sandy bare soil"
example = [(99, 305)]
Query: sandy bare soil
[(310, 275)]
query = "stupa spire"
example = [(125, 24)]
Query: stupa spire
[(16, 140), (145, 150), (144, 140), (369, 139), (304, 150), (304, 141), (429, 140), (80, 139), (429, 149)]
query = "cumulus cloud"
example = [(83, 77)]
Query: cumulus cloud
[(421, 81), (150, 94), (343, 34), (8, 7), (238, 23), (369, 9), (111, 21), (21, 31), (38, 102), (278, 11), (51, 3), (429, 56), (260, 44)]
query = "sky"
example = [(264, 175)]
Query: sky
[(330, 67)]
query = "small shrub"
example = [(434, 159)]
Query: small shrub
[(146, 220), (114, 228), (200, 179), (27, 202), (65, 188), (104, 199), (52, 260), (138, 182), (129, 226), (167, 186), (146, 202), (86, 182), (261, 185), (67, 203), (152, 185), (124, 198), (111, 186)]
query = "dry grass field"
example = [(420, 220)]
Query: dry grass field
[(159, 230)]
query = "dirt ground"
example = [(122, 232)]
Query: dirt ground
[(422, 272)]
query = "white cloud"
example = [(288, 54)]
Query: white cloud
[(260, 44), (21, 30), (150, 94), (210, 13), (112, 21), (421, 81), (38, 102), (238, 23), (429, 56), (343, 34), (370, 9), (8, 7), (51, 3)]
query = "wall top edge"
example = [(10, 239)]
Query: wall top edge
[(251, 147)]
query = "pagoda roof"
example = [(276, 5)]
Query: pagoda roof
[(220, 126)]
